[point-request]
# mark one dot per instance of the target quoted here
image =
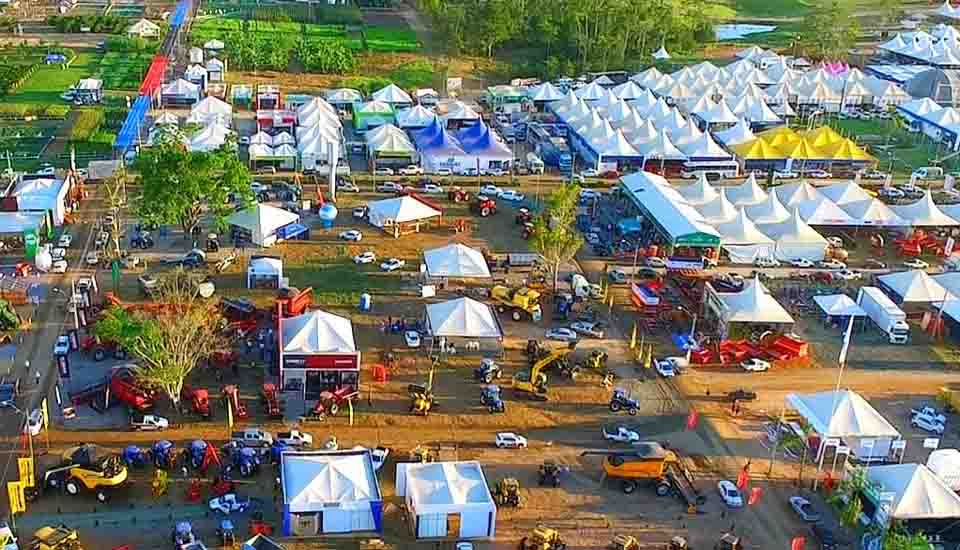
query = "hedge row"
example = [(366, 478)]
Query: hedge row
[(20, 110)]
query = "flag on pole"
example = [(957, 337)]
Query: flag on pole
[(755, 495), (842, 359), (693, 418)]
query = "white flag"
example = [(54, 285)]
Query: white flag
[(846, 343)]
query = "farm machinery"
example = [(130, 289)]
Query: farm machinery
[(84, 467), (270, 397), (507, 493), (232, 395), (330, 403), (543, 538), (490, 398), (199, 401)]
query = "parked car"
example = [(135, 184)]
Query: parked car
[(510, 195), (832, 263), (392, 264), (383, 172), (755, 365), (34, 424), (92, 258), (891, 193), (801, 262), (590, 173), (665, 368), (490, 190), (819, 174), (621, 434), (365, 258), (848, 275), (347, 186), (873, 175), (654, 261), (442, 172), (826, 536), (916, 263), (389, 187), (510, 440), (594, 330), (62, 346), (267, 170), (871, 263), (785, 174), (59, 266), (562, 334), (927, 423), (351, 235), (411, 170), (766, 261), (412, 338), (804, 509), (590, 194), (496, 172), (360, 212), (432, 189), (730, 494)]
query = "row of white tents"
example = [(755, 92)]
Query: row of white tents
[(319, 132), (940, 46), (932, 118)]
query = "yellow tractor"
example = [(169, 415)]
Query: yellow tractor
[(543, 538), (85, 467), (422, 400), (507, 493), (55, 538), (624, 542), (520, 303)]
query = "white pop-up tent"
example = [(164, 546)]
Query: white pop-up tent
[(393, 95), (770, 210), (698, 193), (793, 194), (823, 211), (317, 332), (400, 214), (847, 416), (261, 222), (918, 494), (873, 212), (719, 210), (457, 261), (462, 318), (945, 463), (435, 491), (742, 241), (915, 287), (264, 272), (838, 305), (795, 239), (330, 492), (844, 192), (923, 213), (747, 193), (754, 304)]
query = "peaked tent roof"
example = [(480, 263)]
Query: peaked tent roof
[(753, 304), (844, 192), (660, 147), (758, 149), (391, 94), (456, 260), (823, 211), (344, 95), (794, 231), (915, 286), (747, 193), (545, 92), (438, 485), (417, 116), (346, 478), (212, 106), (918, 492), (841, 414), (923, 213), (704, 147), (698, 193), (399, 210), (719, 210), (739, 133), (794, 194), (317, 332), (839, 305), (463, 317), (770, 211), (873, 212), (262, 219), (741, 230)]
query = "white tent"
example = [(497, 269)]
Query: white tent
[(434, 491), (950, 281), (456, 260), (393, 95), (915, 287), (770, 210), (284, 138), (742, 241), (317, 332), (918, 494), (166, 118), (262, 221), (592, 92), (945, 463), (210, 138), (704, 148), (846, 415), (181, 89), (344, 96), (698, 193), (796, 239), (144, 28), (545, 92), (211, 107), (458, 110), (839, 305), (43, 195), (753, 304), (747, 193), (823, 211), (417, 116), (398, 210), (844, 192), (719, 210), (330, 492), (264, 272), (793, 194), (261, 138), (628, 90), (923, 213), (873, 212), (462, 318), (259, 150)]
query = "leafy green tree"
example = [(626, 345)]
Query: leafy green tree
[(179, 186), (896, 538), (847, 496), (555, 235), (167, 344), (829, 31)]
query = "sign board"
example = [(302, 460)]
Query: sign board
[(931, 443), (25, 466), (18, 501), (867, 443), (843, 450), (831, 442), (899, 445)]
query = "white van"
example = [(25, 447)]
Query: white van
[(535, 164)]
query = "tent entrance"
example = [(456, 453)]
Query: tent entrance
[(453, 525)]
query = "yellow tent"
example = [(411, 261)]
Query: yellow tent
[(801, 150), (757, 149), (822, 136), (847, 150), (779, 136)]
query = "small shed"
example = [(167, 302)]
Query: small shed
[(447, 499), (216, 70), (144, 28), (265, 272)]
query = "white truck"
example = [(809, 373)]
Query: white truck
[(535, 164), (252, 437), (150, 423), (621, 434), (295, 438), (886, 314)]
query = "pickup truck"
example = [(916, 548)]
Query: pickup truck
[(252, 437), (295, 438), (930, 413), (389, 187), (150, 423), (621, 434)]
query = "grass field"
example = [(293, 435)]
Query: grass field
[(46, 85), (124, 71), (339, 282), (901, 153)]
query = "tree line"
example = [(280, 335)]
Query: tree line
[(569, 36)]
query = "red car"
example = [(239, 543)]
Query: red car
[(822, 277)]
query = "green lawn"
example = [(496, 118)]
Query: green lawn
[(769, 8), (897, 150), (340, 282), (379, 39), (124, 71), (46, 85)]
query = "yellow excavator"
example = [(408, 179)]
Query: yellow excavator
[(533, 382), (422, 399)]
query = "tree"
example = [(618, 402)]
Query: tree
[(169, 343), (555, 235), (847, 496), (179, 186), (897, 538), (891, 10), (830, 30)]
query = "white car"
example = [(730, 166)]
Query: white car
[(510, 195), (59, 266), (755, 365), (766, 261), (730, 494), (150, 423), (442, 172), (432, 189), (927, 423), (360, 212), (510, 440), (655, 261), (916, 263), (348, 186), (494, 172), (621, 435), (664, 368), (490, 190), (34, 423), (411, 170), (62, 346), (562, 334), (367, 257), (590, 173), (848, 275), (65, 240), (785, 174), (351, 235), (801, 262), (832, 264), (392, 264), (383, 172), (819, 174), (590, 194), (92, 258), (412, 338), (594, 330), (891, 193)]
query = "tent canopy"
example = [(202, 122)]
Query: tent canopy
[(841, 414), (753, 304), (262, 220), (839, 305), (923, 213), (918, 492), (916, 286), (456, 260), (399, 210), (439, 485), (671, 212), (844, 192), (317, 332), (464, 318), (344, 478), (747, 193)]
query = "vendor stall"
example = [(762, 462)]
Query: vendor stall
[(265, 272)]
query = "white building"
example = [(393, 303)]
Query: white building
[(447, 499)]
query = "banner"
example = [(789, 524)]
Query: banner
[(842, 360), (692, 419), (18, 501), (25, 465)]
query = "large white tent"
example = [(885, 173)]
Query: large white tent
[(261, 222), (838, 305), (719, 210), (264, 272), (329, 492), (844, 192), (793, 194), (742, 241), (545, 92), (823, 211), (393, 95), (846, 415), (211, 108), (394, 212), (747, 193), (753, 304), (462, 318), (210, 138), (915, 287), (699, 193), (918, 494), (434, 491), (923, 213), (415, 117), (456, 260), (317, 332), (873, 212), (768, 211), (795, 239)]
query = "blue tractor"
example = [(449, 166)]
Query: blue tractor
[(135, 457), (162, 454), (246, 461), (278, 449), (226, 534), (193, 455), (183, 535), (490, 398)]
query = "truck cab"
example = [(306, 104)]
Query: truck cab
[(253, 437), (295, 438)]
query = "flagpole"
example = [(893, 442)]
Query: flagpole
[(842, 360)]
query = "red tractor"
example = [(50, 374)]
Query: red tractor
[(330, 402), (457, 194), (232, 395), (223, 359), (124, 390), (271, 401), (483, 206), (99, 349), (291, 302), (199, 399)]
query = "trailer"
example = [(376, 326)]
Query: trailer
[(885, 314)]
